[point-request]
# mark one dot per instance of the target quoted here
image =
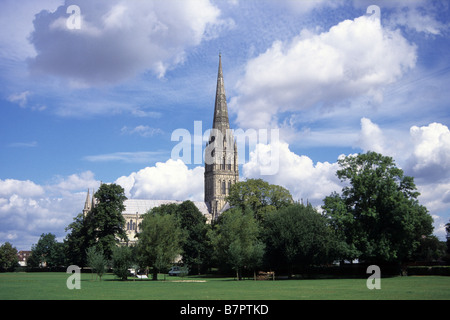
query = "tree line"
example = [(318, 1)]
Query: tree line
[(376, 218)]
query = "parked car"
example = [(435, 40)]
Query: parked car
[(174, 271)]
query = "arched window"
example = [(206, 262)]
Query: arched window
[(128, 226), (223, 187)]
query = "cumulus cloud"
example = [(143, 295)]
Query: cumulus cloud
[(371, 137), (170, 180), (26, 188), (298, 173), (118, 39), (430, 158), (389, 142), (79, 181), (423, 152), (28, 209), (354, 58)]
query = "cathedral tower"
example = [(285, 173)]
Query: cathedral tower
[(221, 158)]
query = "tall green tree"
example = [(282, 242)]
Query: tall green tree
[(77, 241), (378, 211), (8, 257), (160, 241), (259, 196), (236, 240), (447, 229), (47, 251), (196, 249), (298, 236), (105, 221)]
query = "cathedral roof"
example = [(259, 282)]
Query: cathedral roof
[(141, 206)]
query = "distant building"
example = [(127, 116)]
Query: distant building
[(220, 173), (23, 257)]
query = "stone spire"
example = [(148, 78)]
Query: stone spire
[(87, 205), (222, 172), (221, 121)]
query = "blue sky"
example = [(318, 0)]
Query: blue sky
[(100, 103)]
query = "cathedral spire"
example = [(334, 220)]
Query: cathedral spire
[(221, 121), (87, 205), (222, 172)]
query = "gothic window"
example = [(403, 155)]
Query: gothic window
[(128, 226), (229, 186), (223, 187)]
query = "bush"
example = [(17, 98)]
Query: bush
[(428, 271), (122, 261), (97, 261)]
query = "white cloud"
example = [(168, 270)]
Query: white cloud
[(141, 130), (304, 179), (354, 58), (430, 158), (170, 180), (119, 39), (20, 98), (389, 142), (73, 182), (127, 157), (26, 188), (371, 137), (27, 209), (423, 152), (417, 21)]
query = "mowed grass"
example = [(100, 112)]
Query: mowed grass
[(52, 286)]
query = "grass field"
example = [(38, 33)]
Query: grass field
[(30, 286)]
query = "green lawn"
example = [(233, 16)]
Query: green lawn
[(53, 286)]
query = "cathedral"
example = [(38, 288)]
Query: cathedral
[(221, 171)]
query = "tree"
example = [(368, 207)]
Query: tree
[(259, 196), (77, 241), (97, 261), (195, 245), (378, 211), (159, 242), (236, 240), (430, 249), (8, 257), (447, 256), (47, 252), (298, 235), (105, 221), (447, 229), (122, 260)]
